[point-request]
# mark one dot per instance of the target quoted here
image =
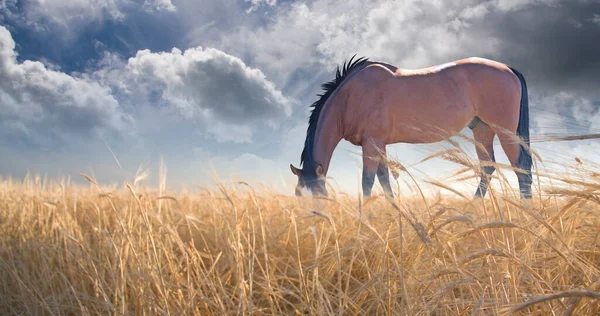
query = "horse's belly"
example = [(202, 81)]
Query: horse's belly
[(431, 124), (426, 137)]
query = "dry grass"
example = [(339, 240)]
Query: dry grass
[(72, 250)]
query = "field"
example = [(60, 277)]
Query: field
[(76, 250)]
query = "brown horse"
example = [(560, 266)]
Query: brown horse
[(372, 104)]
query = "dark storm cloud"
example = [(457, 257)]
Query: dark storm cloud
[(556, 46), (556, 43)]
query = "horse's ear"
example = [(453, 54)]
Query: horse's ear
[(295, 170), (319, 170)]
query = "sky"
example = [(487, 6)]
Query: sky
[(220, 90)]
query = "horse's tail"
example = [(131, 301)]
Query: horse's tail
[(524, 161)]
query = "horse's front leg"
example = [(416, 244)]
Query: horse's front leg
[(383, 174), (371, 150)]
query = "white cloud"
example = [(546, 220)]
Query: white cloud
[(248, 167), (226, 132), (159, 5), (255, 4), (410, 33), (562, 113), (41, 103), (71, 16), (512, 5), (286, 44), (475, 12), (223, 96), (480, 10), (208, 85), (219, 93), (255, 170)]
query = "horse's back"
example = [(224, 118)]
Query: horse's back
[(406, 108), (419, 105), (482, 62), (490, 86)]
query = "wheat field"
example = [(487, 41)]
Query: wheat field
[(68, 249)]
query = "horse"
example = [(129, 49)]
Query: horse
[(372, 104)]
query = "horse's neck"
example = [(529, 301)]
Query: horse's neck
[(329, 133), (327, 137)]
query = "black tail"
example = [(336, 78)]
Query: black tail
[(524, 160)]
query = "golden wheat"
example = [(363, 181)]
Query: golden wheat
[(67, 249)]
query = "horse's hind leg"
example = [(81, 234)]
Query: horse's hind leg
[(484, 136), (512, 148), (383, 175)]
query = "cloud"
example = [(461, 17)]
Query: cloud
[(255, 4), (249, 167), (219, 91), (537, 36), (38, 104), (70, 14), (66, 20), (554, 45), (284, 45), (73, 13), (159, 5), (256, 171), (563, 113), (411, 33)]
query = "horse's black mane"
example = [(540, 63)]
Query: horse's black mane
[(328, 89)]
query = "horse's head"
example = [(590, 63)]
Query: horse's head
[(312, 179)]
